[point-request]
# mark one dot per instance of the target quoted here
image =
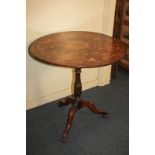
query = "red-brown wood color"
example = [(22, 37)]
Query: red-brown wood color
[(78, 49)]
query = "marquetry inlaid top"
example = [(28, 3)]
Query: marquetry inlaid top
[(78, 49)]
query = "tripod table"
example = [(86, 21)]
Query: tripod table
[(77, 49)]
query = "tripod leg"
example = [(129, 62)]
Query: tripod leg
[(67, 101), (69, 122), (93, 108)]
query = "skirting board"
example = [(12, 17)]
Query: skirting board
[(57, 95)]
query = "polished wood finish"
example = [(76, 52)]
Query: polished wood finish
[(121, 31), (78, 104), (124, 63), (118, 18), (67, 101), (77, 84), (70, 117), (77, 49)]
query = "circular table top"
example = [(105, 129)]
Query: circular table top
[(78, 49)]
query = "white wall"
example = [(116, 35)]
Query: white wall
[(47, 83)]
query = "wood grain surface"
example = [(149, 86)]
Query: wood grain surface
[(78, 49)]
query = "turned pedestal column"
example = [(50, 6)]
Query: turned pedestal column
[(77, 49), (77, 103)]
